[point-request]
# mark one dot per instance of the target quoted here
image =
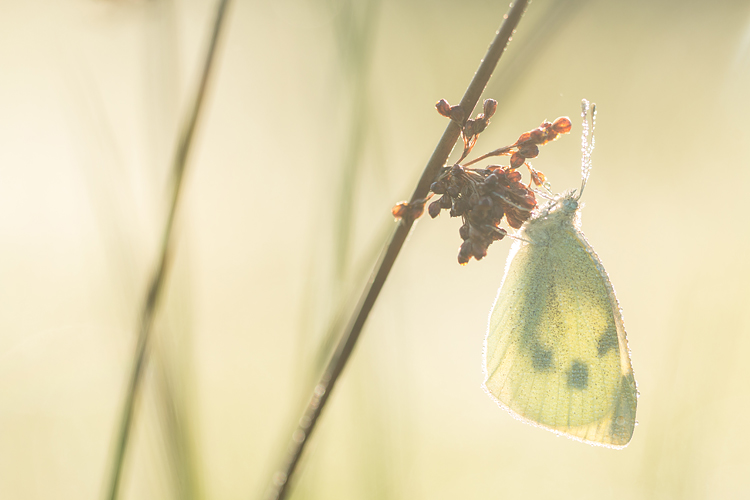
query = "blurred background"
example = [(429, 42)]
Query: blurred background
[(318, 120)]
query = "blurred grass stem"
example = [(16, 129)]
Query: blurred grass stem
[(281, 479), (156, 283)]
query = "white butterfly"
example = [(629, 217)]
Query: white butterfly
[(555, 354)]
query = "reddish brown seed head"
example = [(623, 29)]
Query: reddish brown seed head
[(485, 197)]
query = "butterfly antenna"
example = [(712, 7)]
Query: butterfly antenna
[(587, 141)]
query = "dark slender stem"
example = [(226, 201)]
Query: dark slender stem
[(155, 286), (280, 485)]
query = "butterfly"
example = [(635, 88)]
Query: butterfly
[(556, 354)]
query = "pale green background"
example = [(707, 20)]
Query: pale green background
[(90, 96)]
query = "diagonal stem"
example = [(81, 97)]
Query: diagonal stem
[(156, 283), (280, 482)]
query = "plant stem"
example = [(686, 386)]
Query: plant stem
[(155, 287), (280, 481)]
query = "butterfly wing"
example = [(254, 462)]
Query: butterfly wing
[(556, 354)]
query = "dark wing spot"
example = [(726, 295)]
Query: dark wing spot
[(607, 341), (578, 375), (541, 358)]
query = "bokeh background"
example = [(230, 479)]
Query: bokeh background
[(319, 119)]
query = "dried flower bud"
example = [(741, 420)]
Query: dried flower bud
[(438, 187), (464, 253), (529, 150), (537, 177), (480, 123), (514, 176), (537, 135), (498, 212), (460, 206), (491, 180), (434, 209), (562, 125), (443, 108), (516, 160), (516, 217), (411, 210), (469, 128), (479, 250), (529, 202), (400, 210), (490, 106), (464, 231), (458, 114), (525, 137)]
